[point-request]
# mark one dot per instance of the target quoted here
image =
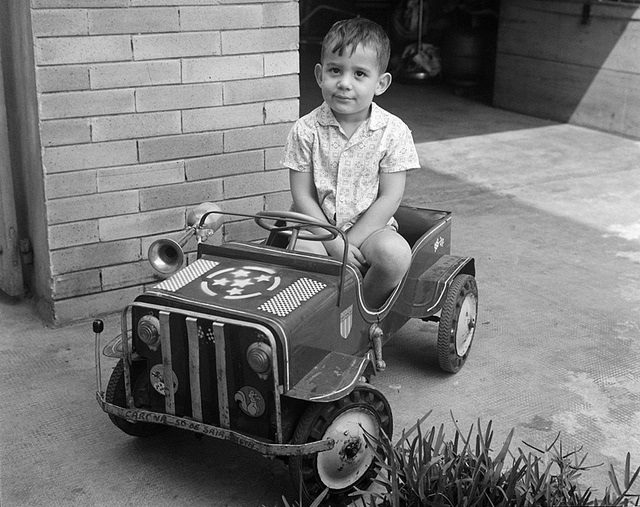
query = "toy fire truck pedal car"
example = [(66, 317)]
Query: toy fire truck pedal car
[(273, 348)]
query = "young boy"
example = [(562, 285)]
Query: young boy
[(348, 158)]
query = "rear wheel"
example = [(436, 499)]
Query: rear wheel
[(457, 323), (115, 395), (351, 463)]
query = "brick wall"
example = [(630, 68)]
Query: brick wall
[(146, 108)]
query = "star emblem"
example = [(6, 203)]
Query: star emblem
[(239, 281), (242, 282)]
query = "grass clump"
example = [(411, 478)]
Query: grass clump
[(429, 470)]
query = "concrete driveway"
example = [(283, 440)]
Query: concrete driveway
[(551, 214)]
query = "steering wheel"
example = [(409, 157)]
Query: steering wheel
[(299, 229)]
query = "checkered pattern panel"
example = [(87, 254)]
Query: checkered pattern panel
[(287, 300), (186, 275)]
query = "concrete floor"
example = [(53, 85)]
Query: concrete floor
[(550, 214)]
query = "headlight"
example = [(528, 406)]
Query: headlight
[(259, 356), (149, 331)]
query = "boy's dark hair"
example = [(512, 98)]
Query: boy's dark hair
[(348, 33)]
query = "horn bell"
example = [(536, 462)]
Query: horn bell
[(166, 255)]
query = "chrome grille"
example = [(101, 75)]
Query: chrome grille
[(208, 390)]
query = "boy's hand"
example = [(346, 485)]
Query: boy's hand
[(335, 248), (356, 259)]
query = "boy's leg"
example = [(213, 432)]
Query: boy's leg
[(389, 257)]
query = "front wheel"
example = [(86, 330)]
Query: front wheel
[(351, 463), (115, 394), (457, 323)]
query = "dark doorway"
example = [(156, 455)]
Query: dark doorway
[(457, 41)]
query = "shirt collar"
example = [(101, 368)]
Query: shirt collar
[(378, 118)]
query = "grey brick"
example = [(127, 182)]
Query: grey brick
[(232, 17), (120, 75), (62, 78), (70, 184), (133, 20), (224, 165), (180, 194), (140, 176), (72, 209), (256, 137), (225, 117), (86, 103), (163, 98), (255, 90), (94, 255), (256, 183), (87, 156), (259, 41), (60, 132), (181, 146), (104, 48), (172, 45), (138, 125), (141, 224), (59, 22), (222, 68)]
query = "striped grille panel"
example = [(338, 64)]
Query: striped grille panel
[(186, 275), (287, 300)]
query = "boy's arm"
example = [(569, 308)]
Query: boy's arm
[(390, 192), (303, 192), (305, 201)]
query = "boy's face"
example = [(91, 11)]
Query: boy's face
[(349, 82)]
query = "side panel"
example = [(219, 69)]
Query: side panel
[(327, 328), (425, 294)]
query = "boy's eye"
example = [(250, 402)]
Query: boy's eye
[(334, 70), (360, 73)]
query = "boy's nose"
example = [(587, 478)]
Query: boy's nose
[(345, 82)]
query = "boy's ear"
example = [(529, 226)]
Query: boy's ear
[(384, 81), (317, 71)]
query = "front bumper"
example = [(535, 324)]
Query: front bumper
[(265, 448)]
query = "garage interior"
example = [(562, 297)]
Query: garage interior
[(457, 41)]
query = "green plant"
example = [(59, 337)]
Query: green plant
[(430, 470)]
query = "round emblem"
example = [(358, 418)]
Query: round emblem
[(243, 283), (250, 401), (156, 375)]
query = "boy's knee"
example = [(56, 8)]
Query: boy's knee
[(400, 258), (390, 253)]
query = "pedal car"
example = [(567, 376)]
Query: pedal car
[(274, 349)]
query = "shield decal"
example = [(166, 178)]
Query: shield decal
[(346, 320)]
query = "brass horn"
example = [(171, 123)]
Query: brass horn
[(166, 255)]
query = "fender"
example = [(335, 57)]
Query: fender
[(423, 296), (332, 378)]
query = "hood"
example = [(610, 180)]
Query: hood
[(249, 286)]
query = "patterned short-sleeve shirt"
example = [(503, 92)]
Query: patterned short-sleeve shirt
[(346, 171)]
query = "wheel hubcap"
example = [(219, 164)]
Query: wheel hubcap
[(352, 455), (466, 324)]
